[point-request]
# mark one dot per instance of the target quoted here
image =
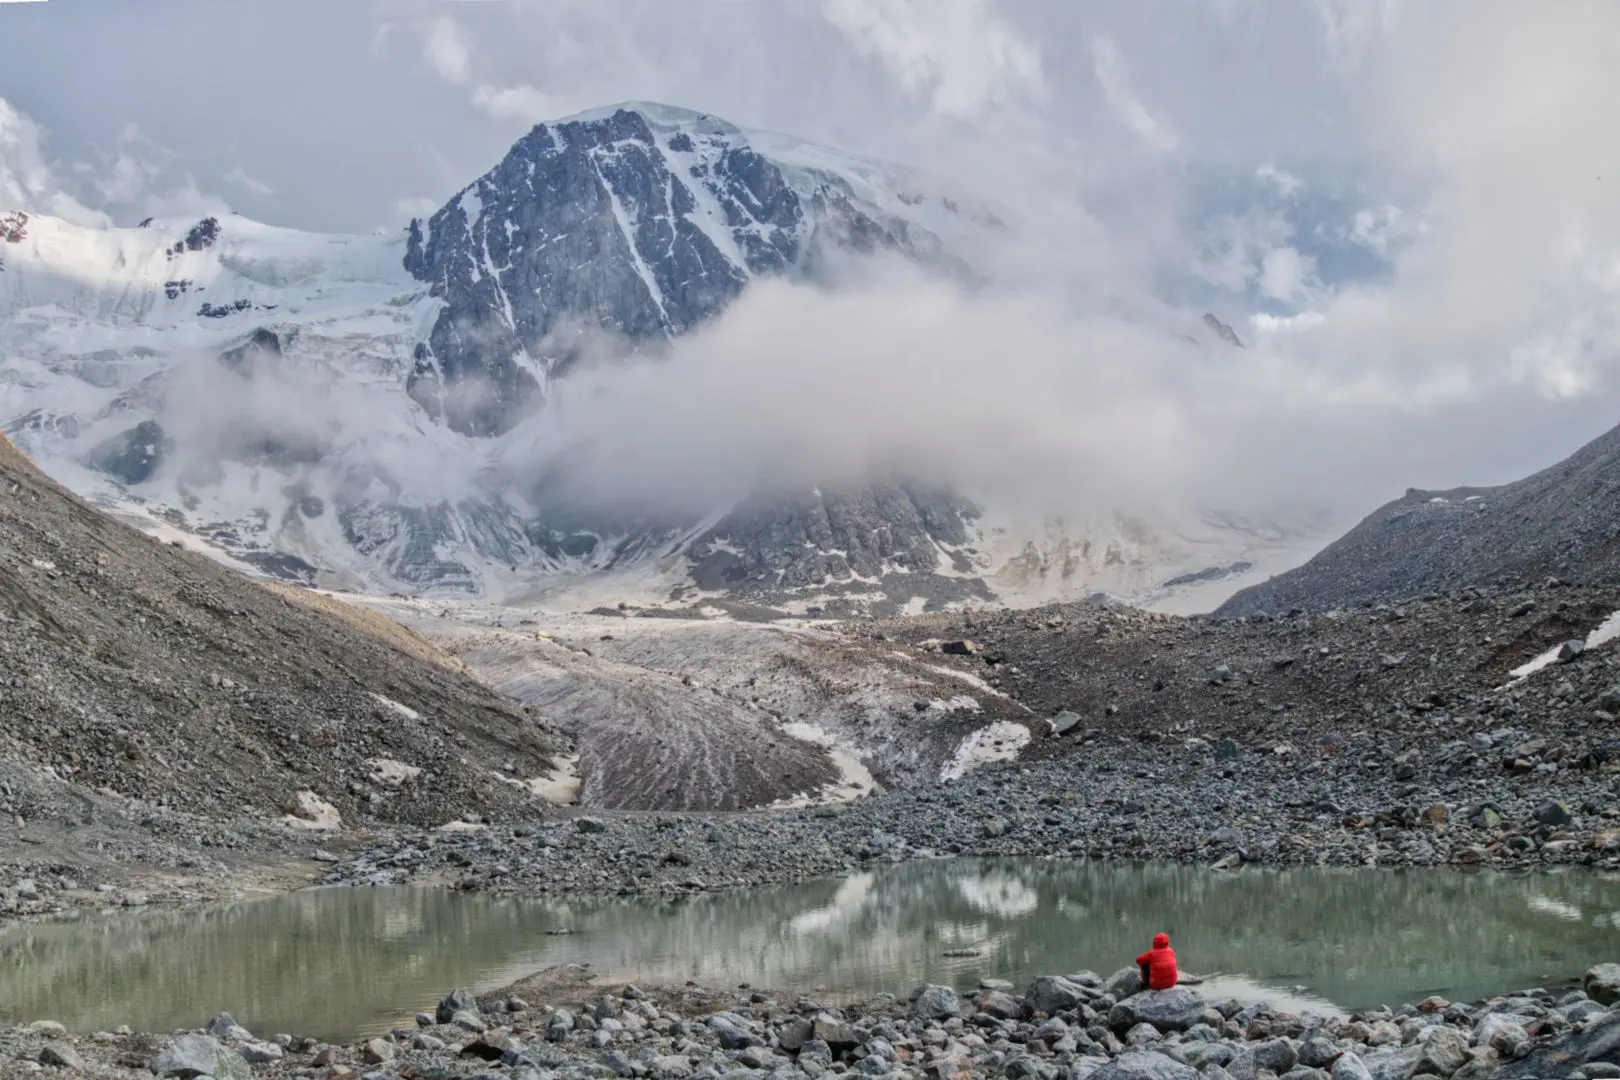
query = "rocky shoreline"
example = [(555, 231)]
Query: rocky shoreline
[(1220, 806), (563, 1025)]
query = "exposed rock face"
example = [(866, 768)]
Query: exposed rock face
[(1561, 522), (133, 456), (639, 222)]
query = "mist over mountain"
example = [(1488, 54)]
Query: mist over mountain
[(648, 347)]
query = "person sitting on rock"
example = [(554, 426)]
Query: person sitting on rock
[(1158, 964)]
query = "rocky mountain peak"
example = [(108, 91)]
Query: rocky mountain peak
[(631, 224)]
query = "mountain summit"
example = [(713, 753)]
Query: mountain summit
[(638, 221)]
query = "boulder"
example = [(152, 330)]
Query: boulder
[(490, 1046), (834, 1032), (1350, 1067), (794, 1033), (935, 1003), (1277, 1056), (225, 1028), (188, 1056), (1318, 1052), (377, 1051), (1442, 1052), (455, 1001), (1602, 983), (1123, 983), (1053, 994), (61, 1056), (1145, 1065), (1501, 1033), (733, 1031), (1000, 1005), (1554, 812), (1176, 1009)]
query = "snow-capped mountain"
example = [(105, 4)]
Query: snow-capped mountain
[(640, 221), (333, 409)]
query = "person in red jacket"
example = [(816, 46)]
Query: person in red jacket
[(1158, 964)]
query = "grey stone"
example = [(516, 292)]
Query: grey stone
[(1554, 812), (733, 1031), (1350, 1067), (1053, 994), (61, 1056), (1176, 1009), (261, 1053), (1274, 1055), (1001, 1005), (935, 1003), (1144, 1065), (454, 1002), (1441, 1052), (188, 1056), (835, 1032), (1123, 983), (794, 1033)]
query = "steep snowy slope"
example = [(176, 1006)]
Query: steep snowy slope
[(339, 409)]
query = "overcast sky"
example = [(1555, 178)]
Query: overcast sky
[(1403, 206)]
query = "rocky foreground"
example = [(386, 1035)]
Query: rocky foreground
[(1060, 1028)]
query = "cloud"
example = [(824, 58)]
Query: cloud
[(240, 178), (1114, 76), (959, 53), (523, 103), (27, 180), (416, 206), (445, 46)]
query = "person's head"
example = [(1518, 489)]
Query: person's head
[(1160, 941)]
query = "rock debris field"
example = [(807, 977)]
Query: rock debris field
[(1071, 1027)]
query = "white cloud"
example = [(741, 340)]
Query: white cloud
[(27, 181), (1286, 275), (416, 206), (445, 46), (961, 54), (523, 103), (1114, 76), (239, 176), (1287, 184)]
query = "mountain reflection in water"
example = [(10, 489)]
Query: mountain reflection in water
[(335, 963)]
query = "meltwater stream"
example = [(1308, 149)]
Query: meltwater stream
[(336, 963)]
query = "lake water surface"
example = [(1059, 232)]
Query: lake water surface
[(336, 963)]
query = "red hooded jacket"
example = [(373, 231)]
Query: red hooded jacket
[(1161, 963)]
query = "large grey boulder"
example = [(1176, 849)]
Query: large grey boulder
[(1350, 1067), (1442, 1052), (200, 1055), (935, 1003), (733, 1031), (1123, 983), (1501, 1033), (1176, 1009), (455, 1001), (1145, 1065), (1276, 1056), (1053, 994)]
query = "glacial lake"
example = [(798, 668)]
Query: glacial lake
[(335, 963)]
